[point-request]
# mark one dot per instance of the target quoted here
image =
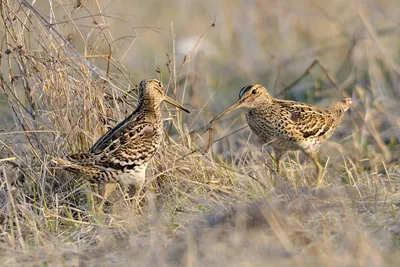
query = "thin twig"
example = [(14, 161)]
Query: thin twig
[(208, 145), (305, 73), (48, 25)]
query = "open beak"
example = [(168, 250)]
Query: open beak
[(235, 106), (174, 103)]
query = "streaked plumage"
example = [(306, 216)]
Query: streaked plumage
[(123, 153), (288, 125)]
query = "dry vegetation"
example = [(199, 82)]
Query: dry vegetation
[(68, 72)]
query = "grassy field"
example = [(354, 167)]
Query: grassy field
[(69, 71)]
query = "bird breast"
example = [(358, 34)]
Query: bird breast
[(273, 127)]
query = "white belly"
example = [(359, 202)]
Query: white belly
[(135, 176)]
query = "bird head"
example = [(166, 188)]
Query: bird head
[(152, 90), (250, 97)]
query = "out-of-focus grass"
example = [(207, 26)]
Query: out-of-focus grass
[(68, 72)]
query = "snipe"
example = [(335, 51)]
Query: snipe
[(288, 125), (123, 153)]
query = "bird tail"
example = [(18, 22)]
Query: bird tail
[(344, 104), (67, 165)]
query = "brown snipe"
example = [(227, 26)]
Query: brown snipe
[(123, 153), (288, 125)]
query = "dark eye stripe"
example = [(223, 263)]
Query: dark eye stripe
[(244, 89)]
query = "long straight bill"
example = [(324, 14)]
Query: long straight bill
[(227, 111), (174, 103)]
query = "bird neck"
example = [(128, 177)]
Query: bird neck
[(268, 99), (148, 110), (266, 105), (148, 104)]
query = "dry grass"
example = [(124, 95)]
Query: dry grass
[(66, 73)]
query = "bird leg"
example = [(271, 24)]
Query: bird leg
[(319, 168), (134, 190), (108, 189), (278, 158)]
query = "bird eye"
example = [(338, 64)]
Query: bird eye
[(254, 91), (159, 84)]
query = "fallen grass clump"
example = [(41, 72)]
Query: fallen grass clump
[(209, 199)]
